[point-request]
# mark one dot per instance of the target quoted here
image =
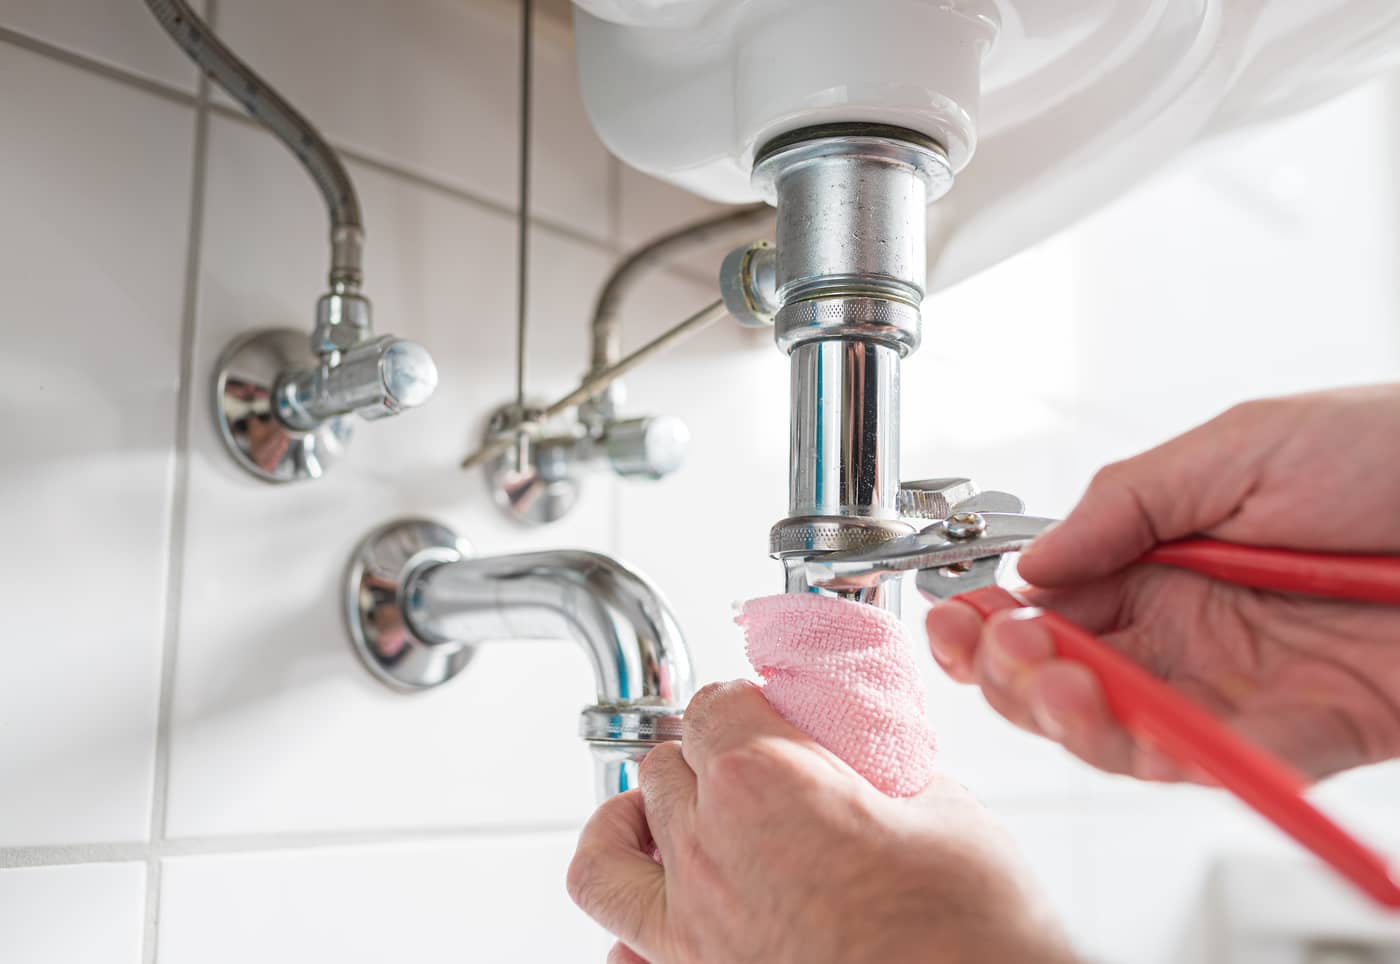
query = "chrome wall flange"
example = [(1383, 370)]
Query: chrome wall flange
[(538, 478), (247, 378), (533, 481), (376, 614)]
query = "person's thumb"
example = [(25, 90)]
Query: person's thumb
[(614, 879), (1183, 487)]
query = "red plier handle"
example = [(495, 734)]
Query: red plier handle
[(1152, 710), (1332, 575)]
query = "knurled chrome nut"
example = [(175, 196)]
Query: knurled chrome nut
[(933, 499), (630, 723), (811, 535), (894, 324)]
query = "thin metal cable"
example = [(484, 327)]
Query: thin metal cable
[(273, 111), (522, 273)]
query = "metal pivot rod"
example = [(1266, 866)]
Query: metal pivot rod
[(418, 603), (850, 275)]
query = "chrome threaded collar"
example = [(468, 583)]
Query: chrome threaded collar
[(630, 723), (809, 535), (872, 319)]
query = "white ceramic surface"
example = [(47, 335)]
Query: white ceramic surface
[(92, 335), (123, 35), (73, 915)]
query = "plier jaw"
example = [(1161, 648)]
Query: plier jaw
[(952, 556)]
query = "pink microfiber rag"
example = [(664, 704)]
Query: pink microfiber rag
[(843, 673)]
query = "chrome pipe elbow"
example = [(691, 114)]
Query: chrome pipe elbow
[(419, 603)]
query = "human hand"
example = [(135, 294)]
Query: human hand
[(1314, 681), (773, 850)]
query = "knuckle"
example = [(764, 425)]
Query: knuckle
[(743, 768), (714, 697), (658, 758), (579, 880), (706, 696), (1113, 475), (1250, 409), (1249, 416)]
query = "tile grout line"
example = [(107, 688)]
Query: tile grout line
[(56, 855), (179, 515), (73, 59)]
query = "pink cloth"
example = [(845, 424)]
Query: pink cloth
[(843, 673)]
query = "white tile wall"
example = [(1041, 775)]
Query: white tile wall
[(277, 726), (353, 65), (302, 812), (493, 901), (77, 915), (91, 361), (571, 173), (121, 35)]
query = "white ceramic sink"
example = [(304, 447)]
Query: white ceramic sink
[(1047, 108)]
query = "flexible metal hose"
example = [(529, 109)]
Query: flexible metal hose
[(271, 110), (607, 326)]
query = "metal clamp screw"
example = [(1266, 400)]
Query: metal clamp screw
[(965, 525)]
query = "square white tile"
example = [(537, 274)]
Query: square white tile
[(277, 726), (651, 206), (432, 86), (123, 35), (92, 265), (571, 171), (488, 900), (91, 914)]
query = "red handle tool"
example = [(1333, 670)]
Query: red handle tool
[(1150, 709)]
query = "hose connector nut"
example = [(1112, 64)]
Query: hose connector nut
[(748, 280), (343, 320)]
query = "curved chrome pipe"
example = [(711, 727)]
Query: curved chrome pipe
[(633, 642), (419, 603), (641, 667)]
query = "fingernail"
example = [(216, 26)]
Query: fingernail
[(940, 649), (1050, 722), (1012, 652), (1003, 668)]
